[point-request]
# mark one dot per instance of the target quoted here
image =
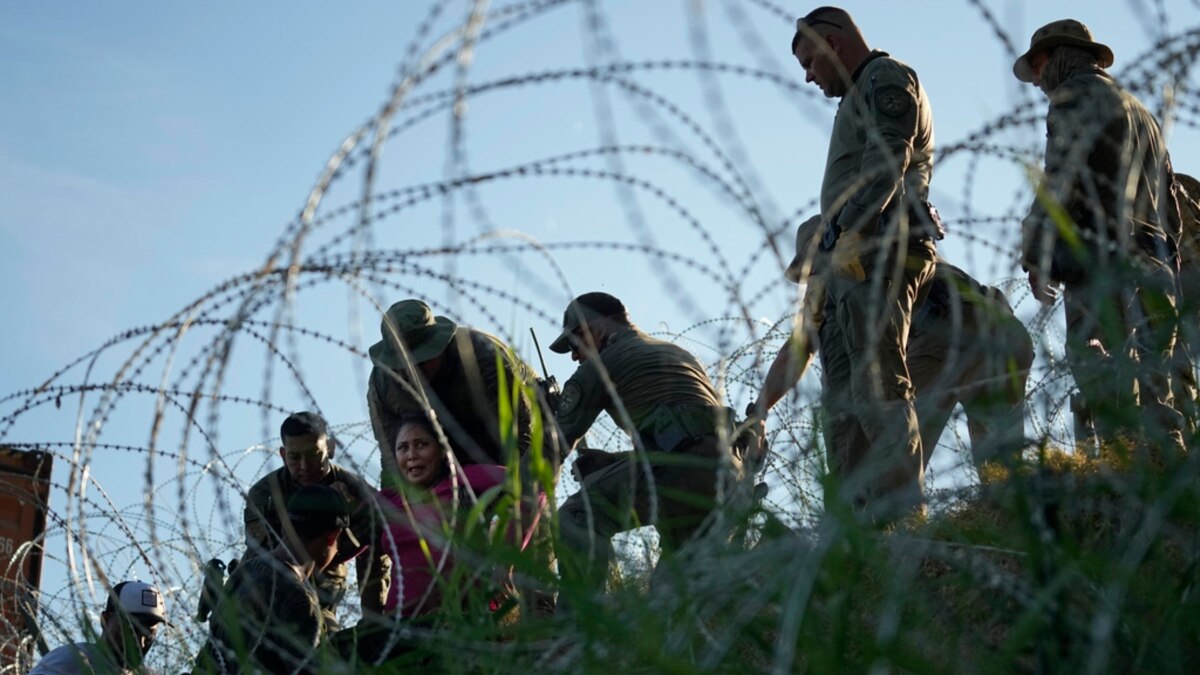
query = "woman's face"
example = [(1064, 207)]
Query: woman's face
[(419, 456)]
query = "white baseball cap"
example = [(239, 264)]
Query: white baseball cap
[(139, 600)]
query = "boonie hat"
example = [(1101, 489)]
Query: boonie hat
[(139, 600), (805, 253), (1061, 33), (424, 335), (587, 307)]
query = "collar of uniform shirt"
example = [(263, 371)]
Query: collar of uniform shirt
[(875, 54), (617, 335)]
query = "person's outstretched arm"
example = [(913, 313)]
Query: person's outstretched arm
[(785, 372)]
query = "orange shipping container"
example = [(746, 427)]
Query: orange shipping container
[(24, 500)]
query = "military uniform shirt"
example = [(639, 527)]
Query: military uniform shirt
[(266, 507), (1106, 166), (464, 395), (646, 373), (883, 131)]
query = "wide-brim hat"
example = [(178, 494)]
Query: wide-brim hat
[(1061, 33), (423, 334), (805, 234), (586, 308)]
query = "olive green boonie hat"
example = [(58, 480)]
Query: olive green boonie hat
[(805, 251), (424, 335), (587, 307), (1061, 33)]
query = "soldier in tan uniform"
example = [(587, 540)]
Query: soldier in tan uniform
[(307, 454), (879, 232), (659, 394), (965, 347), (1108, 173)]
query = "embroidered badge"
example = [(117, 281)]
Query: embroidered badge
[(892, 100), (570, 398)]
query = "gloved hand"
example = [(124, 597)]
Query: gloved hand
[(751, 442), (846, 257)]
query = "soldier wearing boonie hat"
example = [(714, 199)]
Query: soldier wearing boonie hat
[(661, 395), (1107, 168), (427, 365), (456, 379), (131, 617), (1062, 33)]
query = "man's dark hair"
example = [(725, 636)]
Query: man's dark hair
[(317, 510), (303, 424)]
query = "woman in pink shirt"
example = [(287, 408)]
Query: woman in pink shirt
[(428, 511), (437, 539)]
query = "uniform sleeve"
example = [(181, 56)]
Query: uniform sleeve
[(584, 398), (812, 306), (490, 353), (256, 518), (1072, 129), (384, 413), (892, 107), (520, 371)]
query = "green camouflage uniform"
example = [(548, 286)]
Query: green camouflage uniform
[(876, 183), (266, 508), (658, 392), (465, 397), (1107, 167)]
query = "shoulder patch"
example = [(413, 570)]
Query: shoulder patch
[(572, 394), (893, 100)]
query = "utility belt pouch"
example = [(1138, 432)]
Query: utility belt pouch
[(935, 226), (669, 428), (924, 220), (830, 236)]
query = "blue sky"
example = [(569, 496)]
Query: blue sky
[(150, 151)]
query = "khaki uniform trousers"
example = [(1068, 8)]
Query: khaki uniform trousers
[(675, 492), (1121, 334), (983, 367), (872, 437)]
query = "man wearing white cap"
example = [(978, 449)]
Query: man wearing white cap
[(130, 619), (1103, 228)]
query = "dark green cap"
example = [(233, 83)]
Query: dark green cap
[(586, 308)]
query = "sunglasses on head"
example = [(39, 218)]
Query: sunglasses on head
[(815, 21)]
